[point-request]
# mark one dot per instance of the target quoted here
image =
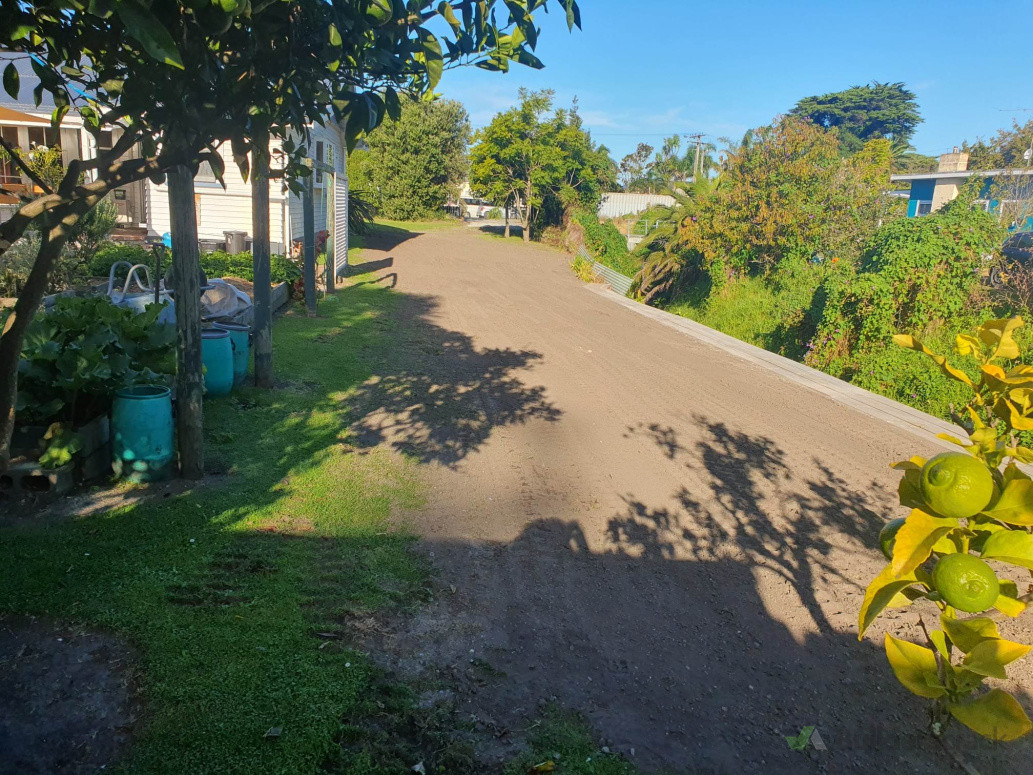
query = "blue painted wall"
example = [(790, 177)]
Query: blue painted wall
[(921, 190)]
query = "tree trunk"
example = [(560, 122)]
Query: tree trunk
[(505, 208), (186, 265), (309, 243), (53, 240), (527, 213), (260, 251)]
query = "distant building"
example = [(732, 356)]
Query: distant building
[(618, 204), (932, 190)]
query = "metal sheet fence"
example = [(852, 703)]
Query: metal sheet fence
[(620, 283)]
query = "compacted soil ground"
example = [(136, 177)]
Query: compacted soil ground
[(632, 524)]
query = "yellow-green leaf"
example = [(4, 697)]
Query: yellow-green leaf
[(1015, 505), (990, 656), (880, 594), (997, 335), (1012, 546), (995, 715), (914, 666), (909, 491), (966, 634), (911, 343), (911, 464), (1009, 605), (335, 36), (916, 538), (966, 344)]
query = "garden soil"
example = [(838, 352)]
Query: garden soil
[(632, 524)]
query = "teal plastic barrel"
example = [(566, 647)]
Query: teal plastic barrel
[(240, 338), (217, 356), (141, 433)]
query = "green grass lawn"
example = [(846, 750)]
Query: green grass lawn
[(224, 589)]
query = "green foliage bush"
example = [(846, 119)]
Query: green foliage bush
[(218, 263), (916, 274), (77, 355), (607, 245)]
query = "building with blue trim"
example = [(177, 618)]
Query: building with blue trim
[(932, 190)]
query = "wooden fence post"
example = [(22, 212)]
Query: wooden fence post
[(260, 251), (186, 263), (309, 240)]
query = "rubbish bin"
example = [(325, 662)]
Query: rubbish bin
[(236, 241)]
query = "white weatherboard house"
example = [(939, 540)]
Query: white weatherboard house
[(229, 209), (144, 206)]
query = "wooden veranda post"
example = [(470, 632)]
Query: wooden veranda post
[(186, 263), (260, 251), (309, 243)]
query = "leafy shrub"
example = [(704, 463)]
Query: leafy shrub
[(915, 274), (583, 268), (219, 263), (16, 263), (607, 245), (77, 355), (111, 253)]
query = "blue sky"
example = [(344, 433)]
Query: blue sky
[(643, 70)]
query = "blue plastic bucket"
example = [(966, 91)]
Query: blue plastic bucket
[(240, 338), (141, 433), (217, 356)]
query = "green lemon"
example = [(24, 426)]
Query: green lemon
[(957, 485), (888, 535), (966, 582)]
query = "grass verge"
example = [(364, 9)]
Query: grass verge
[(237, 594)]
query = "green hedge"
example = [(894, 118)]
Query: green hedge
[(218, 263)]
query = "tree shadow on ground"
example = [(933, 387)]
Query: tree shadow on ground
[(758, 511), (683, 665), (437, 396), (381, 236)]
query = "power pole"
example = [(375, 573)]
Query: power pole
[(699, 149)]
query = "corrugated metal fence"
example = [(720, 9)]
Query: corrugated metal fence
[(615, 280)]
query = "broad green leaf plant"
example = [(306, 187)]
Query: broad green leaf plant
[(971, 518)]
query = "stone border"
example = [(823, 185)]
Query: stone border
[(867, 403)]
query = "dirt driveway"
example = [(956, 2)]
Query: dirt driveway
[(634, 524)]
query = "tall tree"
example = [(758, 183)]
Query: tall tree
[(539, 163), (633, 167), (412, 166), (862, 113)]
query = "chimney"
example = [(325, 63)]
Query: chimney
[(953, 162)]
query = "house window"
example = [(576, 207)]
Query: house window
[(330, 157), (319, 159), (45, 136), (106, 141), (924, 207), (8, 172)]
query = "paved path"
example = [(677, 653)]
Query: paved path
[(638, 522)]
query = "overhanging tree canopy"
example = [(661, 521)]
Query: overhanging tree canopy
[(862, 113)]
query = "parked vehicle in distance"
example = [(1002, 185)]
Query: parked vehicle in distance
[(1017, 250), (475, 208), (1019, 247)]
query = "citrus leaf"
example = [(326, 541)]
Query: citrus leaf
[(990, 656), (335, 36), (998, 335), (1009, 605), (913, 344), (966, 634), (141, 24), (966, 344), (1015, 505), (996, 715), (1012, 546), (11, 80), (916, 538), (880, 593), (910, 489), (915, 667)]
